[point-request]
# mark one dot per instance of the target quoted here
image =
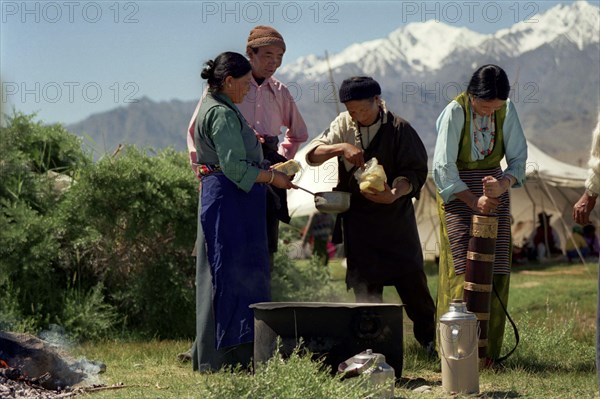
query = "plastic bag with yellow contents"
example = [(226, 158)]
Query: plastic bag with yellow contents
[(371, 177)]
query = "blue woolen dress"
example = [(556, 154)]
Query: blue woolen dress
[(232, 269)]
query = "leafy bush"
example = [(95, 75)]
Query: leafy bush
[(32, 276), (29, 254), (117, 240), (135, 226), (11, 317), (301, 281), (111, 249), (306, 280), (86, 315), (28, 151)]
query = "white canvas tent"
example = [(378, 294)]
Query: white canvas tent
[(552, 186)]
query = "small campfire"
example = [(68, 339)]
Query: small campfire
[(32, 368)]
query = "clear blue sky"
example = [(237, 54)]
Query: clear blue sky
[(69, 59)]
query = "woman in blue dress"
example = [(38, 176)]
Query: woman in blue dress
[(232, 269)]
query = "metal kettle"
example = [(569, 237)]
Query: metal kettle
[(459, 338), (372, 364)]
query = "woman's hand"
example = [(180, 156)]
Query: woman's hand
[(401, 188), (353, 154), (281, 180), (485, 204), (386, 196), (259, 137), (494, 188)]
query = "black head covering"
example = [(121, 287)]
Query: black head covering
[(359, 88)]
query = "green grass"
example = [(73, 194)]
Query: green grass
[(553, 305)]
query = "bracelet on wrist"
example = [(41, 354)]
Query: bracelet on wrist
[(272, 177)]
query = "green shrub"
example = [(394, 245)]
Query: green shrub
[(11, 316), (132, 225), (32, 274), (126, 224), (86, 315), (28, 151), (29, 253), (301, 281), (112, 250)]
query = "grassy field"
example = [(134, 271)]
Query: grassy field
[(553, 305)]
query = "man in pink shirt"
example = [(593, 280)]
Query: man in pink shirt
[(271, 111)]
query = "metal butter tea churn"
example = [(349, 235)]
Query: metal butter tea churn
[(372, 364), (458, 332)]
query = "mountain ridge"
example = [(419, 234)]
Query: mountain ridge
[(553, 65)]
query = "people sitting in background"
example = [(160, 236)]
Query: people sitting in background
[(589, 234), (576, 245), (545, 240)]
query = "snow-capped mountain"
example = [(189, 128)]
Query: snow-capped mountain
[(552, 59), (420, 47), (425, 46), (578, 23)]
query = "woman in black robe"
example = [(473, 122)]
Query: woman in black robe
[(379, 230)]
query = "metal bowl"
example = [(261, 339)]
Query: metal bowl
[(332, 202)]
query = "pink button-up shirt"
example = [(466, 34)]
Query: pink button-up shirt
[(270, 110)]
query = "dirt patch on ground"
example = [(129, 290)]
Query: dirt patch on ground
[(575, 270), (528, 284)]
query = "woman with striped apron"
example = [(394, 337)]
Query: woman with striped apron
[(475, 131), (232, 262)]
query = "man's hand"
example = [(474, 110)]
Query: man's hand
[(583, 208)]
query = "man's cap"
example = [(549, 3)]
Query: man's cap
[(359, 88), (262, 35)]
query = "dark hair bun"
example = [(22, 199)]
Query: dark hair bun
[(208, 71), (225, 64)]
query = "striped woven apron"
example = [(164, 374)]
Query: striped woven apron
[(458, 222)]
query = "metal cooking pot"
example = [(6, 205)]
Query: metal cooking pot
[(330, 201), (331, 331)]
